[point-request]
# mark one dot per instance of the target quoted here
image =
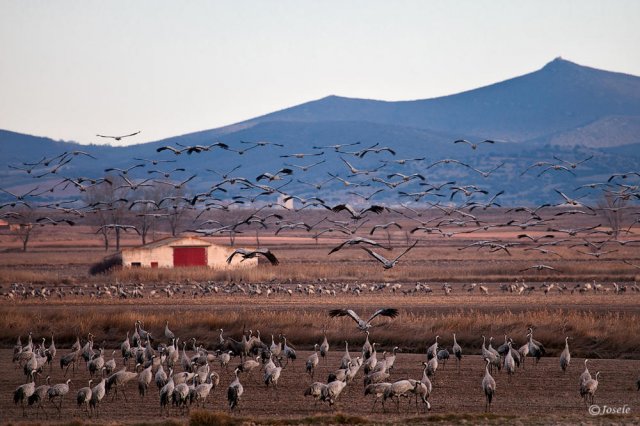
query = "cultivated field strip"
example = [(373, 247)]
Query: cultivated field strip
[(542, 390)]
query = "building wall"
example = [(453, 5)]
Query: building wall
[(163, 255)]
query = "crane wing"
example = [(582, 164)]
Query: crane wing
[(407, 250), (131, 134), (241, 251), (270, 256), (374, 208), (338, 247), (345, 312), (385, 312), (346, 207), (378, 257)]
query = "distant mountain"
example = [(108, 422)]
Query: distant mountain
[(559, 97), (564, 110)]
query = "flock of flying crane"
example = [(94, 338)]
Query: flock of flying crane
[(234, 203), (159, 367)]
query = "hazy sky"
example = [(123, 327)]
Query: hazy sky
[(71, 69)]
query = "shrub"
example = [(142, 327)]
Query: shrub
[(106, 264)]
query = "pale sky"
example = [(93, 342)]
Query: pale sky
[(71, 69)]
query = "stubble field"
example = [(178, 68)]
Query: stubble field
[(602, 326)]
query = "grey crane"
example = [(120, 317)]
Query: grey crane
[(366, 347), (378, 390), (432, 351), (96, 363), (312, 361), (180, 395), (371, 362), (487, 354), (289, 352), (536, 349), (473, 145), (168, 333), (97, 394), (39, 395), (110, 366), (398, 389), (375, 377), (346, 358), (509, 362), (248, 254), (361, 324), (422, 391), (166, 392), (584, 377), (24, 392), (488, 386), (324, 346), (589, 389), (119, 137), (51, 353), (234, 391), (339, 374), (565, 356), (331, 391), (432, 367), (315, 390), (84, 396), (389, 263), (118, 380), (390, 360), (357, 240), (144, 379), (457, 351), (202, 391), (272, 375), (69, 360), (161, 377), (58, 391)]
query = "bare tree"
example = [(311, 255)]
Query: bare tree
[(23, 226), (108, 204), (612, 209), (176, 206), (148, 211)]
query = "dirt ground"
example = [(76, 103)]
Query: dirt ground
[(540, 394), (542, 390)]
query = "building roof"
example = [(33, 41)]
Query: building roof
[(171, 241)]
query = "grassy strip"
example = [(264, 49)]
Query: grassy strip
[(594, 334)]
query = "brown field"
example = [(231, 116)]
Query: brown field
[(603, 326)]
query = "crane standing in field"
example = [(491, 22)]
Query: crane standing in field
[(536, 349), (324, 347), (565, 356), (312, 361), (457, 351), (235, 391), (488, 386), (58, 391), (25, 391)]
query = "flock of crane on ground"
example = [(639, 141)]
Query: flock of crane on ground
[(231, 196), (159, 367), (193, 290)]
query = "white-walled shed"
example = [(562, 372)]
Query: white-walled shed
[(182, 251)]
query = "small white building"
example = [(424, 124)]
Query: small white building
[(180, 252)]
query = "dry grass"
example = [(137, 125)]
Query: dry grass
[(595, 333)]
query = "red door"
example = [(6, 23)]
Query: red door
[(189, 256)]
